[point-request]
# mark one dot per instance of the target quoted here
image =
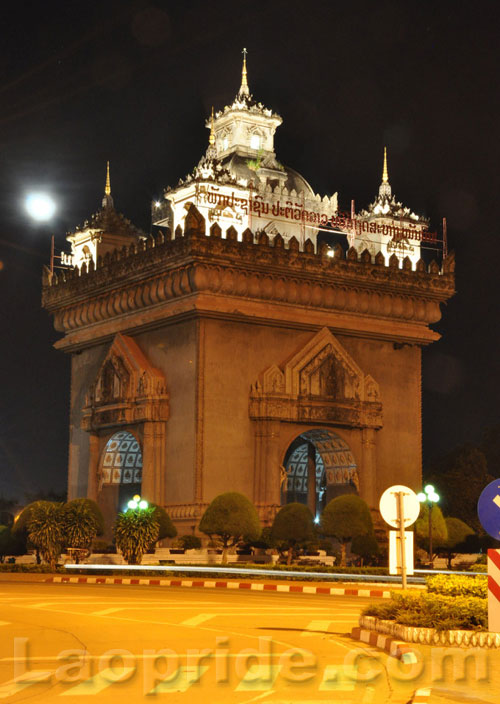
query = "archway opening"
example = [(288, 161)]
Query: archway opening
[(120, 475), (319, 466)]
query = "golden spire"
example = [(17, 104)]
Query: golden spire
[(211, 139), (385, 174), (107, 189), (244, 82)]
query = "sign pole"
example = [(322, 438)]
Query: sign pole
[(402, 537)]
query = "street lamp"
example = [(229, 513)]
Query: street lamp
[(430, 497), (137, 503)]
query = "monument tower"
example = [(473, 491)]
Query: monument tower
[(232, 350)]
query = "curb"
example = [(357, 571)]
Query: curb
[(395, 648), (212, 584)]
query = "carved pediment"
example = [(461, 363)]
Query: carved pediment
[(127, 389), (320, 382)]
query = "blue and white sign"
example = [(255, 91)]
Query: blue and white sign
[(488, 509)]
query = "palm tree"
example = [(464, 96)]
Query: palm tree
[(135, 530), (83, 521), (45, 526)]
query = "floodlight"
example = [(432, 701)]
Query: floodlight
[(132, 504), (421, 496), (143, 504), (434, 497), (137, 498), (429, 489)]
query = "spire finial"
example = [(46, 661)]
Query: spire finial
[(107, 201), (385, 173), (211, 139), (244, 82), (107, 189)]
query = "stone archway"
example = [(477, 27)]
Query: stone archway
[(120, 472), (319, 466), (320, 385)]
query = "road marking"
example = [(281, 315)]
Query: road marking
[(98, 682), (339, 678), (201, 618), (314, 626), (8, 689), (181, 681), (105, 612), (259, 678), (260, 696)]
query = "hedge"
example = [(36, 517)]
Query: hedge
[(458, 585), (279, 569), (432, 610)]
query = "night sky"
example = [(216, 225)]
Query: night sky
[(132, 82)]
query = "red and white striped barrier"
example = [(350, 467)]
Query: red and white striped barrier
[(222, 584), (494, 590)]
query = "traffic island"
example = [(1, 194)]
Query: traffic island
[(427, 636)]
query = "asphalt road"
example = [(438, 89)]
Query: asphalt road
[(136, 644)]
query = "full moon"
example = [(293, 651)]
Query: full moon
[(40, 206)]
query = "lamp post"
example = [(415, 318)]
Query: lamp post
[(137, 503), (430, 497)]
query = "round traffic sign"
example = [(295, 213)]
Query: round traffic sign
[(488, 509), (389, 505)]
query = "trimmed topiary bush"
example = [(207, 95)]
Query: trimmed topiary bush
[(189, 542), (292, 526), (166, 528), (230, 518), (344, 518)]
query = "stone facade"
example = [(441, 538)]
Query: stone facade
[(216, 354)]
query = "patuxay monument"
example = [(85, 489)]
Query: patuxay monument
[(234, 348)]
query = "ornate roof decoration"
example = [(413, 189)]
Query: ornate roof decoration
[(127, 389), (244, 99), (320, 382), (108, 220), (385, 204)]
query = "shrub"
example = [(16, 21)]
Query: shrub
[(439, 529), (265, 541), (434, 611), (458, 532), (292, 526), (458, 585), (166, 528), (230, 518), (189, 542), (366, 546), (344, 518)]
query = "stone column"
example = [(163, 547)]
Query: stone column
[(368, 474), (311, 477), (153, 462), (93, 483), (266, 463)]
